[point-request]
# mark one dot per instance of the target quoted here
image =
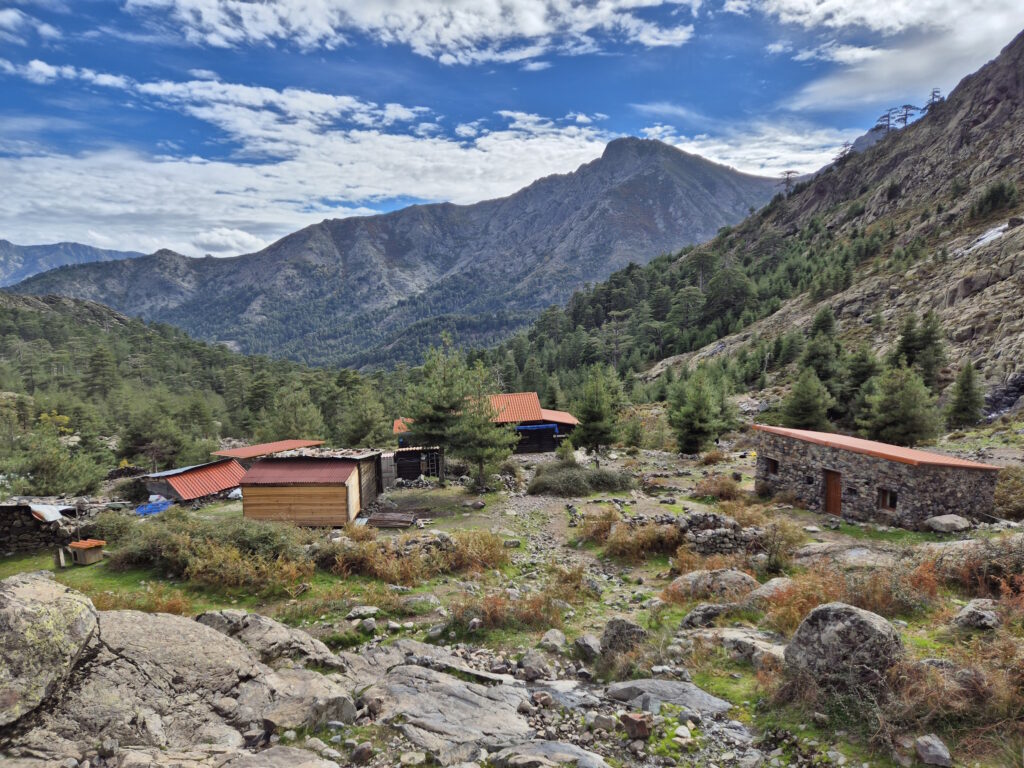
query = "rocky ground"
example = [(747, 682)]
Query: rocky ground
[(646, 663)]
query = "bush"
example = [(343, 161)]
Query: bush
[(596, 527), (997, 196), (572, 480), (1009, 496), (130, 489), (636, 543), (496, 610), (713, 457), (718, 487), (779, 541), (112, 526)]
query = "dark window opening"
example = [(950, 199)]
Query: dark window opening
[(887, 499), (773, 466)]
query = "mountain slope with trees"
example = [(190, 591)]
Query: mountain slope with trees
[(925, 224), (20, 262), (365, 291)]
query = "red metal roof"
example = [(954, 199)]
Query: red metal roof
[(559, 417), (517, 407), (300, 471), (265, 449), (401, 425), (206, 479), (878, 450)]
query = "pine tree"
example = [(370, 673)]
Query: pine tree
[(699, 411), (931, 355), (436, 402), (966, 401), (597, 420), (475, 436), (293, 415), (808, 403), (902, 409), (101, 373)]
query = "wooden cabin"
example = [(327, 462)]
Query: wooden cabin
[(311, 490)]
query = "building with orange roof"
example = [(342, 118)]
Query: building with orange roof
[(870, 481), (539, 429), (248, 454), (195, 482)]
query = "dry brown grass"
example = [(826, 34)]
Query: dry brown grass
[(1009, 495), (636, 543), (157, 598), (597, 525), (985, 568), (713, 457), (718, 487), (496, 610), (744, 513), (685, 560)]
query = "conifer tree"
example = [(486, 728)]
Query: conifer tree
[(436, 402), (597, 419), (808, 403), (699, 411), (293, 415), (475, 436), (966, 400), (902, 409)]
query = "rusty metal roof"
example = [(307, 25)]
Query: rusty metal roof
[(300, 471), (265, 449), (517, 407), (876, 449), (559, 417), (204, 479)]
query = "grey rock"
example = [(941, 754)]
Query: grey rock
[(978, 614), (270, 640), (723, 582), (553, 640), (621, 635), (587, 646), (543, 754), (535, 666), (704, 615), (767, 591), (677, 692), (948, 524), (44, 630), (840, 645), (931, 751)]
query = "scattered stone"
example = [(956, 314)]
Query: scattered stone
[(363, 753), (544, 754), (704, 615), (678, 692), (621, 636), (534, 667), (637, 725), (587, 646), (271, 640), (980, 613), (948, 524), (771, 588), (553, 640), (363, 612), (931, 751)]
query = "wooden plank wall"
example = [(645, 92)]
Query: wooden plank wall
[(314, 505)]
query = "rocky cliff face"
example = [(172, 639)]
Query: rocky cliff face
[(20, 262), (376, 289), (922, 189)]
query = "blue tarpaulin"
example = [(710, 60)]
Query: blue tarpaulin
[(153, 508), (538, 426)]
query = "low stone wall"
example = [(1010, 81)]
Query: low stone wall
[(20, 532), (922, 491), (707, 533)]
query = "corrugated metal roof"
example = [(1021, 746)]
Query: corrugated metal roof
[(517, 407), (265, 449), (299, 471), (559, 417), (203, 480), (876, 449)]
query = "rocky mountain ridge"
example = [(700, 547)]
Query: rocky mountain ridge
[(20, 262), (368, 290)]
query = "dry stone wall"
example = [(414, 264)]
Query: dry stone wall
[(20, 532), (922, 491)]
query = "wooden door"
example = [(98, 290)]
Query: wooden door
[(833, 492)]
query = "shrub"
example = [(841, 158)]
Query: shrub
[(1009, 496), (636, 543), (779, 541), (718, 487), (112, 526), (596, 527), (997, 196), (477, 551), (496, 610), (713, 457), (572, 480)]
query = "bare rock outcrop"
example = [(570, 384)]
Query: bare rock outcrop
[(271, 640)]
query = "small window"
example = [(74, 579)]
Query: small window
[(773, 466), (887, 499)]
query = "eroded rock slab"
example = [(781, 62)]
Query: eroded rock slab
[(543, 754), (271, 640), (676, 692), (450, 718), (44, 630)]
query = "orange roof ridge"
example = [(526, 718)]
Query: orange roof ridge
[(878, 450), (265, 449), (559, 417)]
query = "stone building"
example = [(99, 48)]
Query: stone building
[(870, 481)]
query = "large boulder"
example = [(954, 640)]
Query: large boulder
[(843, 646), (271, 640), (544, 754), (44, 629), (980, 613), (677, 692), (948, 524), (450, 718), (721, 583), (621, 636), (768, 591)]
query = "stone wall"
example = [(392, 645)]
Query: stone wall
[(922, 491), (20, 532)]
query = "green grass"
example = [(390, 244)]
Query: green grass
[(891, 536)]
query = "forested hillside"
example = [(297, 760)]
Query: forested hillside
[(926, 220), (19, 262), (377, 290), (82, 386)]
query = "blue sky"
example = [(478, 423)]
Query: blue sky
[(216, 126)]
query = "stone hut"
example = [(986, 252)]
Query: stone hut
[(870, 481)]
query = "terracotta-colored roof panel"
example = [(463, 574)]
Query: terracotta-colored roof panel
[(205, 479), (559, 417), (878, 450), (265, 449), (401, 425), (517, 407), (299, 471)]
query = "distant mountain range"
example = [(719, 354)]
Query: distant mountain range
[(376, 290), (18, 262)]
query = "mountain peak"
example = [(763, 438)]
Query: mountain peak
[(634, 147)]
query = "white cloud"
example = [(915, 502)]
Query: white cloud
[(841, 54), (667, 110), (780, 46), (536, 66), (451, 32), (230, 241), (763, 148), (16, 24), (203, 74)]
